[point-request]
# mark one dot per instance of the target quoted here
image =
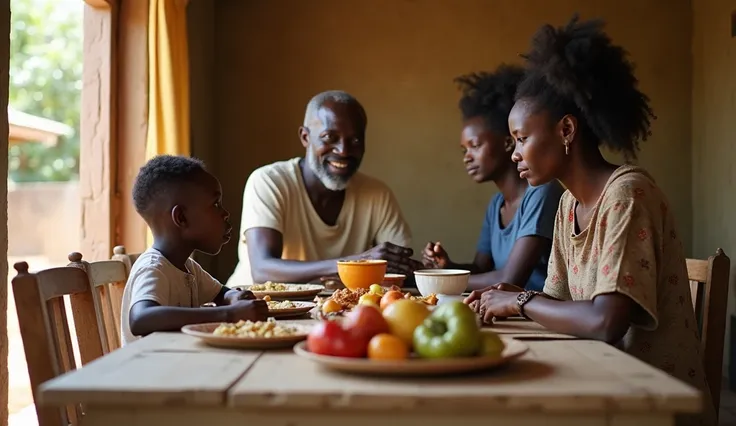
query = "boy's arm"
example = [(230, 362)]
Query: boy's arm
[(147, 317), (149, 310)]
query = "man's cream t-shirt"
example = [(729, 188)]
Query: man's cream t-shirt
[(275, 197)]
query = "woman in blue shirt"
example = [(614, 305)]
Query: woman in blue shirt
[(516, 237)]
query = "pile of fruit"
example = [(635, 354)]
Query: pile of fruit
[(404, 329), (344, 300)]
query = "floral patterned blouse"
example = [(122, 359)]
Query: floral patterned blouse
[(631, 247)]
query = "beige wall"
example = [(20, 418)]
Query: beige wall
[(44, 219), (714, 133), (399, 59)]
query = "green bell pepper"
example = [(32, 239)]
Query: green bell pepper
[(450, 331)]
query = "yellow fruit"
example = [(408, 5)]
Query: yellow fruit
[(369, 299), (331, 306), (387, 347), (403, 316), (490, 344), (376, 289)]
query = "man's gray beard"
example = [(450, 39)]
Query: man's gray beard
[(333, 183)]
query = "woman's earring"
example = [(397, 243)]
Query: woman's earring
[(567, 147)]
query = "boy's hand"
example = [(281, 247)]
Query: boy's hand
[(253, 310), (233, 296)]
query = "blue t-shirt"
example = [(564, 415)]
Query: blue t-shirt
[(535, 216)]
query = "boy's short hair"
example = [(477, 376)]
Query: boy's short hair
[(162, 174)]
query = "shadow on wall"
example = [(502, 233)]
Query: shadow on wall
[(44, 219)]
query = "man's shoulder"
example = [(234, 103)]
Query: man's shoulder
[(369, 186), (280, 173)]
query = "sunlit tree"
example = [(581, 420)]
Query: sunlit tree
[(46, 80)]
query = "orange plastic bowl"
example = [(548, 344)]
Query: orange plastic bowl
[(357, 274)]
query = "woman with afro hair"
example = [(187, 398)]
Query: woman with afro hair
[(617, 271), (516, 236)]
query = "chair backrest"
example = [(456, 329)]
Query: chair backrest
[(118, 253), (709, 281), (44, 328), (107, 279)]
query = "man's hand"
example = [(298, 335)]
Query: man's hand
[(398, 258)]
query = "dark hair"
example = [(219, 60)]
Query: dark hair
[(576, 69), (163, 174), (490, 95)]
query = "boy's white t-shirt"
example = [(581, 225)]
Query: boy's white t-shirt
[(154, 278)]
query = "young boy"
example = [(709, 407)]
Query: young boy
[(182, 204)]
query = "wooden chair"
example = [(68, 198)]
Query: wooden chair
[(709, 281), (127, 259), (44, 328), (107, 280)]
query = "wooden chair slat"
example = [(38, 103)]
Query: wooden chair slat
[(709, 282), (107, 278)]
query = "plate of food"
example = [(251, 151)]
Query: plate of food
[(270, 334), (344, 300), (407, 338), (415, 365), (282, 291), (287, 308)]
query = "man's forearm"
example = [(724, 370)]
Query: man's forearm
[(292, 271)]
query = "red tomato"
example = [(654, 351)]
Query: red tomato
[(330, 338), (366, 321)]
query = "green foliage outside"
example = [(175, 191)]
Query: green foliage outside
[(46, 80)]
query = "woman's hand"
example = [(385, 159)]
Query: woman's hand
[(477, 294), (498, 304), (435, 256)]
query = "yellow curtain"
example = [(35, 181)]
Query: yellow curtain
[(168, 81)]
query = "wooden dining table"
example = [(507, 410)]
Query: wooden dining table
[(173, 378)]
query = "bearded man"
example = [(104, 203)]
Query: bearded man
[(302, 215)]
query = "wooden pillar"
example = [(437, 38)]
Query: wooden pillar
[(97, 130), (4, 65), (133, 119), (114, 124)]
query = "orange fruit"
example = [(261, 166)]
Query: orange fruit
[(387, 347), (331, 306), (390, 297)]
